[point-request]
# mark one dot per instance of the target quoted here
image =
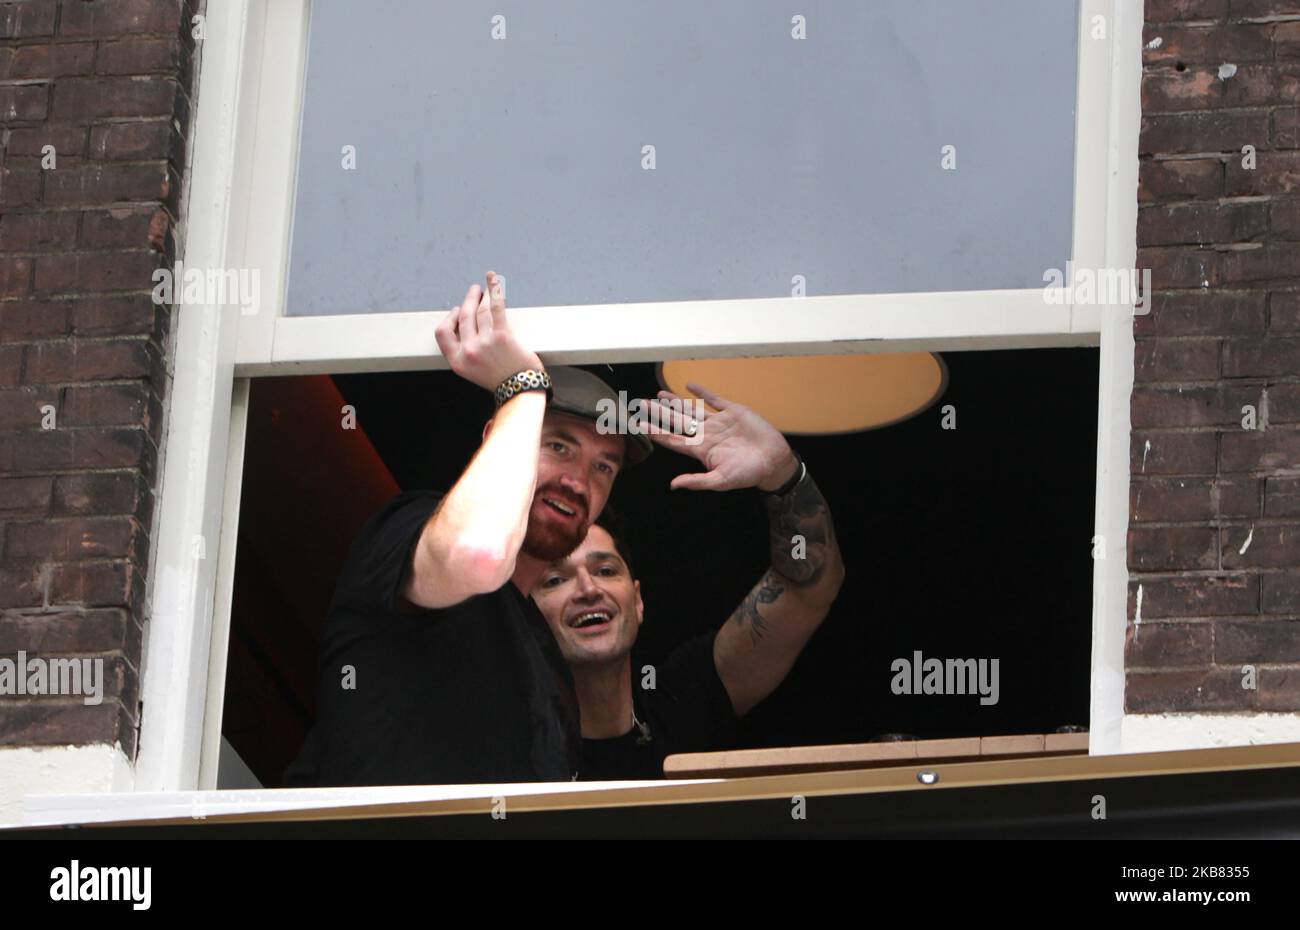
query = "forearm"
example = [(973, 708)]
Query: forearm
[(473, 539), (804, 551)]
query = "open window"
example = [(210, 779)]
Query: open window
[(661, 184)]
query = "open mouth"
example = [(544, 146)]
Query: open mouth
[(592, 619), (565, 510)]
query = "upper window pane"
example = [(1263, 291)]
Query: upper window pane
[(774, 157)]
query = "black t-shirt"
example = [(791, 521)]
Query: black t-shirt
[(476, 692), (688, 710)]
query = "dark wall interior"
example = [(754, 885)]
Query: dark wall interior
[(965, 543)]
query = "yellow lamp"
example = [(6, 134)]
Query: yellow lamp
[(819, 394)]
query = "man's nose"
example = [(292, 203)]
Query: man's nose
[(575, 483), (586, 585)]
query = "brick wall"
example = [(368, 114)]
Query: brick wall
[(108, 84), (1214, 541)]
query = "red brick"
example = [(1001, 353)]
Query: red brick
[(1168, 11), (1284, 312), (24, 102), (47, 61), (155, 139), (11, 365), (1286, 128), (21, 408), (1214, 44), (118, 17), (1195, 596), (1282, 497), (1236, 497), (32, 232), (1162, 645), (102, 493), (1215, 405), (140, 56), (20, 182), (1279, 592), (94, 584), (95, 271), (95, 183), (1274, 173), (73, 538), (67, 138), (1256, 641), (1203, 313), (1270, 546), (120, 228), (1176, 359), (62, 362), (107, 405), (1196, 690), (1279, 689), (1216, 131), (26, 19), (1284, 403), (50, 723), (1172, 548), (1286, 41), (27, 496), (1189, 178), (15, 275), (119, 316), (1284, 219), (1170, 500), (1181, 266), (1261, 357), (1202, 223), (1202, 88), (72, 631), (99, 97), (1254, 451), (1263, 9), (1172, 453)]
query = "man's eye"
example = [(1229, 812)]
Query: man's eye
[(552, 581), (606, 468), (607, 570)]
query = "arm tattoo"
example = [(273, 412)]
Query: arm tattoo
[(766, 591), (802, 512)]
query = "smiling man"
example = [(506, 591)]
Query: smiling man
[(593, 605), (435, 667)]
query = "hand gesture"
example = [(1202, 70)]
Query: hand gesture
[(477, 340), (738, 447)]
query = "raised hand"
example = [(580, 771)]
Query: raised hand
[(738, 447), (477, 340)]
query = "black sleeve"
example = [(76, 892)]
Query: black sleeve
[(702, 707), (382, 553)]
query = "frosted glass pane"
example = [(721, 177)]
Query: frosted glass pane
[(774, 156)]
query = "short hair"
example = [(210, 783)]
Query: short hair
[(616, 526)]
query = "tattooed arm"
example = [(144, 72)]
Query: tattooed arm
[(756, 647)]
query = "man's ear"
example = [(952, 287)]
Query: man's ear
[(640, 607)]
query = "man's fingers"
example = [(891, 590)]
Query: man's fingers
[(696, 481), (468, 311), (445, 332), (716, 401), (483, 314), (671, 418), (497, 292)]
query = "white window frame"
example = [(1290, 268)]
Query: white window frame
[(242, 180)]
